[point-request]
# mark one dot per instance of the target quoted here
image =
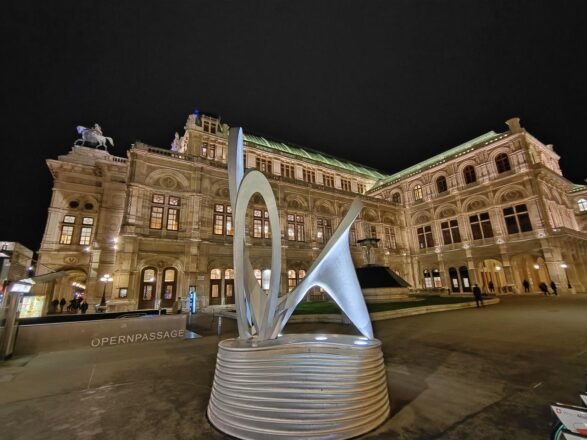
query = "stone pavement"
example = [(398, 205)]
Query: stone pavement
[(485, 373)]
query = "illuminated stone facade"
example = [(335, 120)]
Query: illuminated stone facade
[(495, 209)]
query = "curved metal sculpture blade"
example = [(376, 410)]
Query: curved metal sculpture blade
[(265, 315)]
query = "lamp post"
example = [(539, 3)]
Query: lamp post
[(106, 278), (564, 266)]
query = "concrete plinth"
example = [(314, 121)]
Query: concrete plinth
[(299, 386)]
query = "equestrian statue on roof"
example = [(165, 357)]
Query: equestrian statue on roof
[(93, 136)]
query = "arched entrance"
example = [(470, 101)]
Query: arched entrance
[(465, 281), (229, 286), (492, 276), (455, 284), (215, 285), (148, 288)]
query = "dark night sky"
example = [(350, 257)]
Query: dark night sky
[(383, 83)]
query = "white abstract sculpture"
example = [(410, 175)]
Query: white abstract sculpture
[(268, 386), (264, 316)]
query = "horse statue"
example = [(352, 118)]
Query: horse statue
[(93, 136)]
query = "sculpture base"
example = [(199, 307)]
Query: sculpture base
[(308, 386)]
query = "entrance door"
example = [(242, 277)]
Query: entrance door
[(464, 272), (229, 286), (215, 283), (148, 288), (454, 280)]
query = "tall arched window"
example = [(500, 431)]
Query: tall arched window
[(469, 174), (582, 203), (292, 280), (169, 286), (418, 193), (215, 283), (502, 162), (229, 286), (396, 198), (441, 185)]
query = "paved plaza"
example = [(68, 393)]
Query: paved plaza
[(486, 373)]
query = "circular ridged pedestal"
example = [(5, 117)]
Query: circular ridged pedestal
[(299, 387)]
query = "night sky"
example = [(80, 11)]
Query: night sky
[(385, 84)]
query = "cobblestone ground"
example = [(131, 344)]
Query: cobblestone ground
[(486, 373)]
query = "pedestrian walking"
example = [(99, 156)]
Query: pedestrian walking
[(83, 307), (478, 296), (55, 304), (61, 305), (491, 287), (553, 287), (543, 288), (526, 285)]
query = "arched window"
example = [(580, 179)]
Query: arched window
[(301, 274), (396, 198), (582, 204), (215, 283), (215, 274), (418, 194), (229, 286), (168, 289), (502, 162), (469, 174), (292, 280), (229, 274), (441, 185)]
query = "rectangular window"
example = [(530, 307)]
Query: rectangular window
[(85, 236), (287, 171), (174, 201), (309, 175), (222, 220), (172, 219), (345, 184), (66, 234), (156, 217), (263, 165), (69, 219), (425, 239), (324, 229), (212, 151), (390, 242), (450, 232), (481, 226), (361, 188), (87, 221), (261, 224), (204, 149), (328, 180), (295, 227), (158, 198), (517, 219)]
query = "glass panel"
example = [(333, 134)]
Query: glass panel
[(147, 292), (158, 198), (219, 208), (149, 275), (215, 274), (69, 219), (168, 291), (85, 235), (169, 276), (229, 274), (229, 289), (88, 221), (174, 201), (512, 225), (215, 290), (156, 217), (66, 235), (525, 225)]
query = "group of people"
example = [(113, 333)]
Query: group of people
[(73, 306), (543, 287)]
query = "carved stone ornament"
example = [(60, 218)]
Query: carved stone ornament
[(168, 182), (70, 260)]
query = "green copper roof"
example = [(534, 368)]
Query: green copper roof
[(439, 158), (577, 188), (309, 154)]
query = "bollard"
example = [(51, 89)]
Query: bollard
[(219, 327)]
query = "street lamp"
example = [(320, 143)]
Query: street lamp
[(564, 266), (107, 278)]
